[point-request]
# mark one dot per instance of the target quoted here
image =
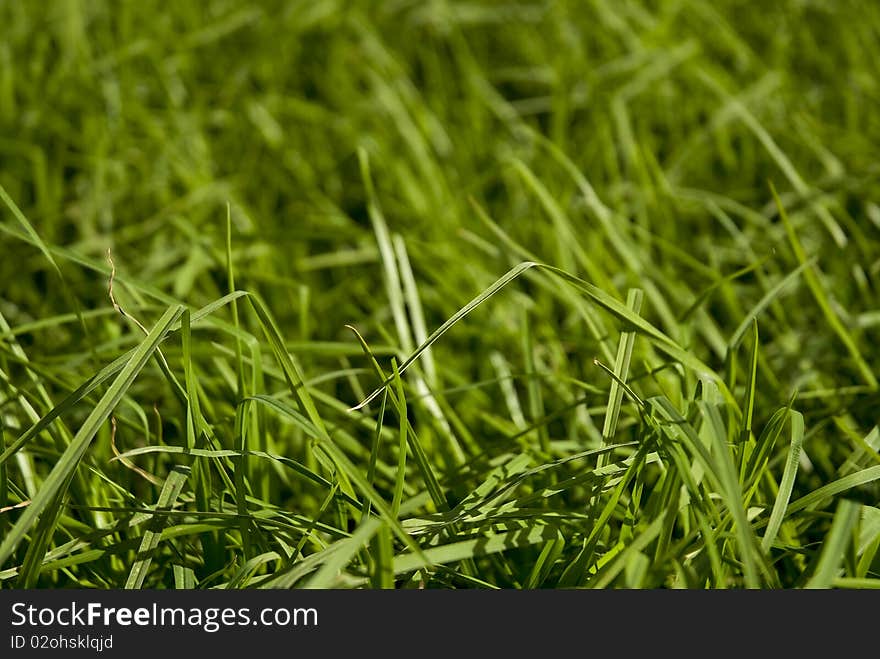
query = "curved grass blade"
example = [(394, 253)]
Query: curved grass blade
[(834, 488), (512, 274), (240, 579), (785, 487), (597, 295), (419, 455)]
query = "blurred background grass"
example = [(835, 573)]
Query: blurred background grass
[(131, 125)]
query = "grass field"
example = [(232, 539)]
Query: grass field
[(434, 294)]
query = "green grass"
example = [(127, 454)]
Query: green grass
[(477, 294)]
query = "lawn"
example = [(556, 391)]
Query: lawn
[(439, 294)]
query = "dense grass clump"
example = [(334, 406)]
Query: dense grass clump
[(439, 294)]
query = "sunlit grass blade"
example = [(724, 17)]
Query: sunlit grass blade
[(606, 575), (621, 370), (184, 578), (833, 489), (458, 551), (545, 561), (167, 497)]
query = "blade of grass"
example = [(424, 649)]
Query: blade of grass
[(458, 551), (609, 572), (167, 498), (796, 419), (749, 407), (53, 486), (383, 557), (94, 382), (374, 453), (834, 545), (621, 370), (401, 446), (733, 493), (550, 553), (36, 551), (346, 467), (419, 455), (602, 299), (184, 578), (834, 488), (328, 573), (514, 272)]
